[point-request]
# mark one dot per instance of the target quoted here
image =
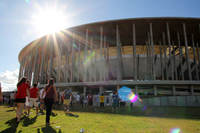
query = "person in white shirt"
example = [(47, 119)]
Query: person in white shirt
[(42, 96), (78, 98)]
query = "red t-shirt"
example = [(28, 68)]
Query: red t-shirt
[(21, 90), (33, 92)]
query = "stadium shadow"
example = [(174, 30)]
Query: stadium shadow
[(13, 126), (147, 111), (48, 129)]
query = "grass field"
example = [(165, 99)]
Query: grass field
[(150, 120)]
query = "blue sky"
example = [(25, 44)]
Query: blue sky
[(16, 30)]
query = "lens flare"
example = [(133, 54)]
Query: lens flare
[(50, 18), (133, 98), (124, 93), (175, 130), (89, 58)]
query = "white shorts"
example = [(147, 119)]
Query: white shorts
[(33, 102), (27, 103)]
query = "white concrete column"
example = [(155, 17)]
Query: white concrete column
[(101, 90), (192, 89), (136, 89), (173, 90), (84, 91), (187, 52), (155, 90)]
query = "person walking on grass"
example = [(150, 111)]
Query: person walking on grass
[(22, 92), (42, 97), (50, 98), (27, 105), (33, 98)]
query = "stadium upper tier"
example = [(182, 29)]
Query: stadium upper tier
[(165, 48)]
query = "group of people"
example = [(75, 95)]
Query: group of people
[(29, 97)]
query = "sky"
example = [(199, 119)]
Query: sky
[(17, 27)]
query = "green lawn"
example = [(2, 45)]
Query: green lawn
[(151, 120)]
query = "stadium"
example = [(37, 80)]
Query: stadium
[(156, 57)]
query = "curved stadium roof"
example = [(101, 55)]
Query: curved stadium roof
[(142, 28)]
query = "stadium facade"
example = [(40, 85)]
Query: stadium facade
[(155, 56)]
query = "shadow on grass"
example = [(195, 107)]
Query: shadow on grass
[(13, 126), (71, 114), (28, 121), (48, 129), (11, 110), (148, 111), (53, 114)]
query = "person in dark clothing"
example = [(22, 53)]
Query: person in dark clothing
[(71, 100), (115, 100), (90, 98), (81, 100), (50, 98)]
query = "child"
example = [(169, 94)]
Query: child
[(66, 100), (101, 100)]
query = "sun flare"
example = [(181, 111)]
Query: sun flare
[(49, 20)]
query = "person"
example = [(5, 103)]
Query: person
[(96, 100), (85, 101), (42, 97), (50, 98), (77, 98), (0, 94), (71, 100), (114, 101), (90, 98), (66, 99), (101, 100), (27, 106), (81, 100), (33, 98), (22, 92), (60, 98)]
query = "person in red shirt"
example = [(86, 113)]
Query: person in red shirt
[(90, 98), (50, 97), (33, 98), (20, 98)]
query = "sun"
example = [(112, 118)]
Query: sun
[(49, 20)]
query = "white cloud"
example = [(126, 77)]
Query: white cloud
[(9, 80)]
